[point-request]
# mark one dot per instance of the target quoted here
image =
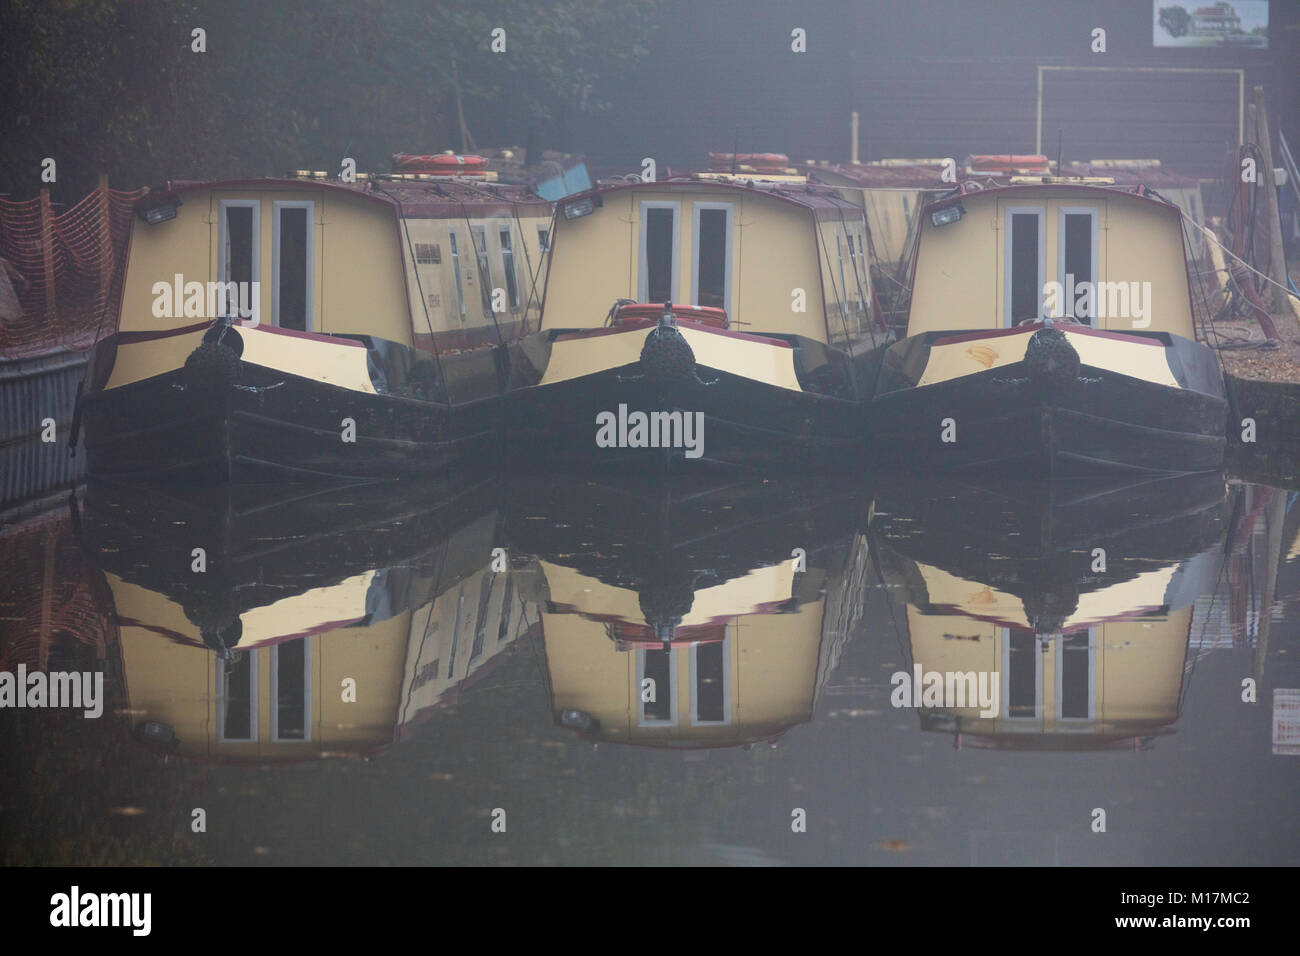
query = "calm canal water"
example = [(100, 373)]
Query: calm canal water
[(706, 671)]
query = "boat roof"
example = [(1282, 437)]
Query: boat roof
[(970, 190), (439, 198), (813, 196)]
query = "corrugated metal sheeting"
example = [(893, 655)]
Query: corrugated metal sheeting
[(32, 390)]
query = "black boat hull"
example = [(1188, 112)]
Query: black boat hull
[(1003, 422), (745, 424), (273, 424)]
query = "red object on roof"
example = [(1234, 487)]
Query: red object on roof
[(1008, 162), (685, 314), (443, 163), (769, 161)]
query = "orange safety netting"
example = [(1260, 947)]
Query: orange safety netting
[(53, 603), (66, 268)]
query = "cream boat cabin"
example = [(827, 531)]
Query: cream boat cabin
[(681, 618), (1080, 654), (308, 326), (248, 661), (1051, 331), (742, 306)]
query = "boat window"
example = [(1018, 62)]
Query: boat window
[(238, 242), (237, 698), (484, 269), (709, 683), (544, 238), (481, 618), (1077, 242), (1021, 672), (508, 263), (659, 238), (455, 265), (291, 298), (712, 255), (1024, 265), (427, 254), (1077, 680), (291, 690), (656, 665)]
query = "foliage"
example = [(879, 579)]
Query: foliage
[(114, 86)]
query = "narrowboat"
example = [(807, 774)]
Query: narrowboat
[(717, 318), (307, 326), (688, 614), (392, 585), (1051, 332), (1074, 601)]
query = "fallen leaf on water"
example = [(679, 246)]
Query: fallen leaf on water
[(894, 846), (126, 811)]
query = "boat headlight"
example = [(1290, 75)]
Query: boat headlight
[(164, 211), (582, 207), (946, 215), (577, 720)]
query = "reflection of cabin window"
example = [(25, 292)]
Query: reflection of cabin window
[(659, 237), (544, 238), (710, 688), (238, 242), (237, 698), (481, 618), (711, 285), (839, 255), (1076, 676), (479, 235), (292, 266), (428, 253), (1021, 670), (1024, 264), (291, 690), (508, 263), (503, 629), (455, 265), (455, 633), (1077, 256), (657, 665)]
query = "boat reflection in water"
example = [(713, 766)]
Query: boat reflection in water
[(322, 623), (692, 616), (1081, 597)]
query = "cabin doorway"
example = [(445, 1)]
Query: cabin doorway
[(1024, 253), (711, 273), (237, 245), (660, 235), (293, 265), (1076, 244)]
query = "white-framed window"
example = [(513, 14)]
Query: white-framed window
[(710, 667), (711, 258), (1076, 676), (660, 240), (478, 236), (239, 241), (659, 665), (291, 691), (1024, 254), (293, 264), (428, 253), (455, 266), (237, 698), (544, 239), (508, 265), (1076, 255), (1022, 674)]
